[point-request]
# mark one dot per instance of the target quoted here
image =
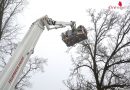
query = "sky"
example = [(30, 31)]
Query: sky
[(50, 45)]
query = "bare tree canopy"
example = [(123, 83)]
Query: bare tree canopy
[(8, 9), (34, 65), (105, 54), (9, 31), (8, 27)]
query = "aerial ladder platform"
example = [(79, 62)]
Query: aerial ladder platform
[(10, 74)]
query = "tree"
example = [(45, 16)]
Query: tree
[(34, 65), (105, 54), (9, 31), (8, 27), (8, 10)]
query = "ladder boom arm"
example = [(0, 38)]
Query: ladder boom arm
[(10, 75), (57, 24)]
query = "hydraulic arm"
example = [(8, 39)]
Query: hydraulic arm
[(9, 76)]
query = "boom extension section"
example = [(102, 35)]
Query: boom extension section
[(56, 24)]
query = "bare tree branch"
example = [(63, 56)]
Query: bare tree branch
[(109, 54)]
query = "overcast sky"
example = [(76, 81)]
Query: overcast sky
[(50, 45)]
